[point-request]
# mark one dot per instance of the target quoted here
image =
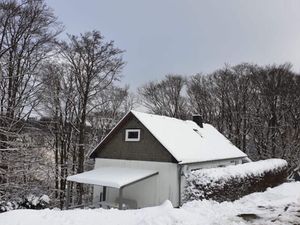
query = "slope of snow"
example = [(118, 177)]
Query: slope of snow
[(188, 142), (111, 176), (276, 206)]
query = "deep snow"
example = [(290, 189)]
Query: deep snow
[(280, 205)]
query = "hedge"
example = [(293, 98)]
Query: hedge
[(232, 182)]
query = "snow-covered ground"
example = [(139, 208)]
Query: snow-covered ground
[(280, 205)]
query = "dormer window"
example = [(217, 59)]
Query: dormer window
[(132, 135)]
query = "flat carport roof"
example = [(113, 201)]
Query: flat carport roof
[(115, 177)]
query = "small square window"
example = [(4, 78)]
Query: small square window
[(132, 135)]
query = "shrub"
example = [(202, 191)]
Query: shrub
[(28, 202), (7, 206), (34, 202), (232, 182)]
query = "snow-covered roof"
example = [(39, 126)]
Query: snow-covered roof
[(184, 139), (188, 142), (115, 177)]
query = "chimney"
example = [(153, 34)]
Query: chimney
[(198, 120)]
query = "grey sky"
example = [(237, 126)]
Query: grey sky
[(188, 36)]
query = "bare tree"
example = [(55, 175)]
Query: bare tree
[(103, 119), (59, 108), (165, 97), (59, 103), (275, 125), (95, 65), (257, 108), (27, 35), (201, 98)]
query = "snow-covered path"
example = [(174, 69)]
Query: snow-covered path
[(280, 205)]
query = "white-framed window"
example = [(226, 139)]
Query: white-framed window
[(132, 135)]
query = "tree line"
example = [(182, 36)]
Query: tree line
[(256, 107), (59, 98), (70, 85)]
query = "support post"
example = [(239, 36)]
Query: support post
[(104, 193), (179, 186), (121, 198), (68, 194)]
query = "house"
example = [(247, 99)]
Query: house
[(142, 161)]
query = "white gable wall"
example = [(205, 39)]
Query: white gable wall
[(213, 164), (149, 192)]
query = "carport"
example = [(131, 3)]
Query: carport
[(114, 177)]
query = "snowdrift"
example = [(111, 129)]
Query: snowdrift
[(276, 206)]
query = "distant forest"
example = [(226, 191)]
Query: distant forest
[(59, 98)]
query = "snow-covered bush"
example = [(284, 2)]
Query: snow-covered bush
[(29, 202), (7, 206), (34, 202), (232, 182)]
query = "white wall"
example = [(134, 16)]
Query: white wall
[(155, 190), (149, 192), (213, 164), (206, 165)]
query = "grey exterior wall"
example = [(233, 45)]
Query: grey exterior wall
[(147, 149)]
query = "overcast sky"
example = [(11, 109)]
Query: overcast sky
[(188, 36)]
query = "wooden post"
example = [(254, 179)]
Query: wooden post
[(68, 194), (120, 198), (104, 193)]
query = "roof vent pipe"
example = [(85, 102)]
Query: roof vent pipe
[(198, 120)]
